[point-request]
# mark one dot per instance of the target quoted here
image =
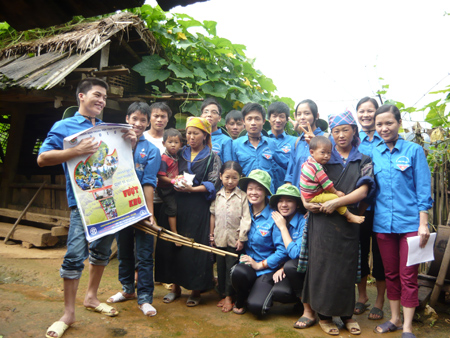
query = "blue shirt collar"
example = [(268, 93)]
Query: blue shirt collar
[(272, 135), (354, 155), (266, 213), (217, 132), (376, 137), (80, 119), (398, 145)]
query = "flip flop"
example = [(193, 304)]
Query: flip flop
[(387, 327), (146, 308), (360, 308), (308, 322), (353, 326), (58, 327), (104, 309), (193, 301), (328, 327), (376, 312), (408, 335), (239, 311), (118, 297), (170, 297)]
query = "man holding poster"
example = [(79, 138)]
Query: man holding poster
[(91, 97)]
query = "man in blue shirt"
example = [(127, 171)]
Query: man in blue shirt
[(91, 96), (221, 143), (255, 151), (147, 160), (278, 117)]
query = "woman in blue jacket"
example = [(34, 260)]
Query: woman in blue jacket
[(403, 198), (264, 249)]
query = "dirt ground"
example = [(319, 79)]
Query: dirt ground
[(31, 298)]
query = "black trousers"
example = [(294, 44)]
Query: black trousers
[(251, 289), (365, 234), (289, 290), (224, 265)]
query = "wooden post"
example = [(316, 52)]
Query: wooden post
[(23, 213), (441, 276)]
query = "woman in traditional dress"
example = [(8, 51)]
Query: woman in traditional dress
[(184, 266), (402, 201), (333, 243)]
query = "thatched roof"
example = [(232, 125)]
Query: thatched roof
[(45, 62), (81, 37)]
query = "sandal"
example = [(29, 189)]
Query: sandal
[(387, 327), (58, 327), (408, 335), (239, 311), (329, 328), (376, 314), (305, 320), (170, 297), (193, 301), (104, 309), (360, 308), (119, 297), (353, 327), (148, 309)]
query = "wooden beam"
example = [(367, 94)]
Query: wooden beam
[(112, 72), (84, 70), (37, 217), (104, 57), (60, 231), (36, 186), (127, 47), (37, 237)]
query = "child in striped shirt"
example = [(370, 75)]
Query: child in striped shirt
[(315, 185)]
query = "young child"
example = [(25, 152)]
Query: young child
[(315, 185), (167, 172), (230, 223)]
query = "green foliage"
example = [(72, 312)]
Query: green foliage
[(196, 60)]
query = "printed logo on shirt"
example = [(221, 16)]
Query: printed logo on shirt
[(142, 153), (287, 148), (267, 153), (216, 148), (402, 163), (264, 229)]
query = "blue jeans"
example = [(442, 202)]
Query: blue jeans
[(144, 250), (78, 249)]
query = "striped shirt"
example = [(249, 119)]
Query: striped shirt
[(313, 179)]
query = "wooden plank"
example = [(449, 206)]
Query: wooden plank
[(37, 217), (112, 72), (35, 236), (104, 57), (424, 295), (60, 231)]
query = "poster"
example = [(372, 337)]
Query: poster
[(107, 190)]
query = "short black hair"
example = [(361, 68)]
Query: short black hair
[(208, 101), (171, 132), (367, 99), (233, 114), (231, 165), (318, 141), (279, 108), (163, 107), (86, 85), (249, 107), (389, 108), (143, 107)]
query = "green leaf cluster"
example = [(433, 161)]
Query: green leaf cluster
[(196, 60)]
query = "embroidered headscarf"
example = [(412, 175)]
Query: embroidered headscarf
[(345, 118), (202, 124)]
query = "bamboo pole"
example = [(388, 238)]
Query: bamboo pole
[(441, 276), (170, 236), (23, 212)]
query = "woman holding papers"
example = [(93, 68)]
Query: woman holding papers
[(401, 210)]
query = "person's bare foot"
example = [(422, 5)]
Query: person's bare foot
[(221, 302), (227, 305), (90, 302), (353, 218)]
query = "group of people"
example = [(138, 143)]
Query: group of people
[(296, 214)]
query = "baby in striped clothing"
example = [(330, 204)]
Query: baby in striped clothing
[(315, 185)]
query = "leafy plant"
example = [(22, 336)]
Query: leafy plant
[(196, 60)]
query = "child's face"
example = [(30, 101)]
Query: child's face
[(139, 122), (321, 154), (172, 144), (230, 179), (234, 127)]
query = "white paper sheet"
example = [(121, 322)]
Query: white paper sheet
[(416, 254)]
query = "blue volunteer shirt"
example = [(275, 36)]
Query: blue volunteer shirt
[(366, 146), (299, 155), (222, 145), (263, 157), (403, 187), (295, 228), (265, 243), (147, 160), (55, 140), (284, 146)]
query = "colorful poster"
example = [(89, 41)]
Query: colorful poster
[(107, 190)]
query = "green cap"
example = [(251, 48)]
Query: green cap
[(285, 190), (258, 176)]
